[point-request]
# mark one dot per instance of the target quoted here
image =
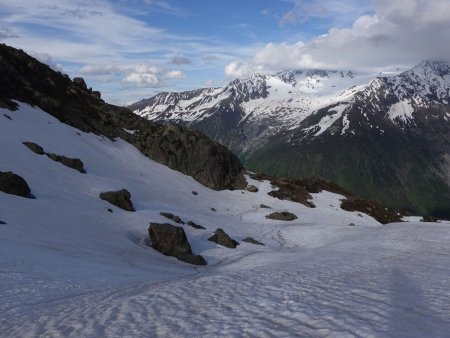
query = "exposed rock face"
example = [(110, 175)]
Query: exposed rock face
[(172, 217), (171, 240), (190, 152), (372, 208), (121, 199), (252, 241), (221, 238), (74, 163), (35, 148), (282, 216), (13, 184)]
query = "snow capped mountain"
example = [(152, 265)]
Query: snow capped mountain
[(294, 112)]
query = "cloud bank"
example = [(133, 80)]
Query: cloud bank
[(399, 34)]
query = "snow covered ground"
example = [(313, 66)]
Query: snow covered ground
[(70, 268)]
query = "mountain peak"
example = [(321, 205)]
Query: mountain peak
[(438, 67)]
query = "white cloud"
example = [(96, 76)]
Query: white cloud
[(400, 33), (142, 79), (175, 74)]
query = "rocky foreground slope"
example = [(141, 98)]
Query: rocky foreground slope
[(25, 79)]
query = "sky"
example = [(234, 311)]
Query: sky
[(133, 49)]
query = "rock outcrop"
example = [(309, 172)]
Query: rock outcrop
[(171, 240), (120, 198), (221, 237), (27, 80)]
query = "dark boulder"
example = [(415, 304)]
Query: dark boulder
[(2, 223), (172, 217), (74, 163), (171, 240), (263, 206), (429, 218), (252, 241), (195, 225), (282, 216), (35, 148), (221, 238), (121, 199), (13, 184)]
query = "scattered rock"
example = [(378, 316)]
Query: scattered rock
[(351, 225), (263, 206), (35, 148), (74, 163), (195, 225), (213, 209), (194, 193), (282, 216), (121, 199), (429, 218), (13, 184), (172, 217), (7, 116), (171, 240), (221, 238), (252, 241), (110, 210), (252, 188)]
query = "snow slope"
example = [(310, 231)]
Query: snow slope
[(70, 268)]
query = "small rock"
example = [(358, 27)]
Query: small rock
[(35, 148), (263, 206), (429, 218), (213, 209), (252, 188), (252, 241), (1, 222), (7, 116), (121, 199), (13, 184), (195, 225), (351, 225), (110, 210), (282, 216), (172, 217), (221, 238), (80, 82), (171, 240), (194, 193)]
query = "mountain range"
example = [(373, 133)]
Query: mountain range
[(385, 135)]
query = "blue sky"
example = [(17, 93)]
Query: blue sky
[(134, 49)]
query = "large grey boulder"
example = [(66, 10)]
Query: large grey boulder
[(13, 184), (120, 198), (221, 237), (171, 240)]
